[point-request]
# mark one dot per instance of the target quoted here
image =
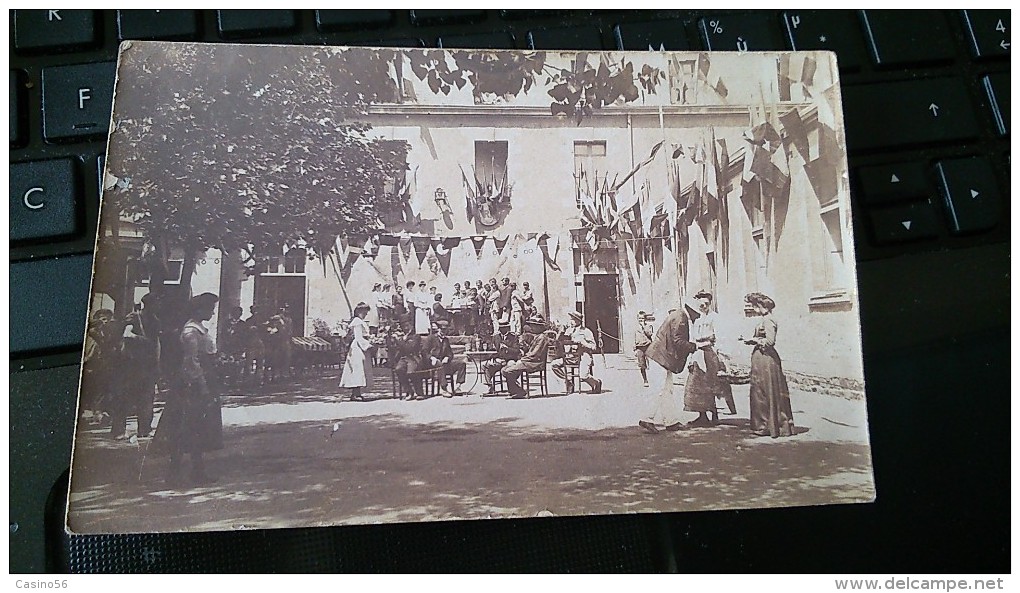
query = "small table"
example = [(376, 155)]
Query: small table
[(479, 357)]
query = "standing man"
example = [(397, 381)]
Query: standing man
[(584, 345), (670, 349), (516, 310), (492, 302), (642, 340)]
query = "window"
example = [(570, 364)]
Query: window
[(589, 167), (294, 261), (830, 276)]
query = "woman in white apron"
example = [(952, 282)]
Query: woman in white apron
[(354, 374)]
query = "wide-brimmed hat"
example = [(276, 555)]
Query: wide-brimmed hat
[(576, 316)]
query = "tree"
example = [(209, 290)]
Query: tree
[(248, 150)]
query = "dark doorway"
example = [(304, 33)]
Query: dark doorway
[(602, 309), (273, 292)]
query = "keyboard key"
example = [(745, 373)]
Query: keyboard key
[(59, 30), (904, 113), (988, 31), (741, 32), (157, 24), (499, 40), (898, 182), (579, 38), (54, 322), (997, 87), (16, 123), (77, 100), (901, 224), (899, 37), (434, 17), (45, 199), (970, 194), (248, 23), (338, 20), (834, 30), (665, 35)]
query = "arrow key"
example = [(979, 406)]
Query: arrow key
[(898, 182), (970, 194), (905, 223)]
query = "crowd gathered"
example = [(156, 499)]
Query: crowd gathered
[(495, 324)]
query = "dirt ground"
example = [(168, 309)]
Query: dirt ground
[(283, 463)]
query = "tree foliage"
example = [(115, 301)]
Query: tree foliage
[(251, 150)]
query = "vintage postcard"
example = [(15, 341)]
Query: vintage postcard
[(360, 285)]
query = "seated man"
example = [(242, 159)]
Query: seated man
[(406, 350), (580, 346), (507, 348), (533, 360), (440, 356)]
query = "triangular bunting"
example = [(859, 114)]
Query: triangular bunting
[(478, 243), (421, 247), (500, 244)]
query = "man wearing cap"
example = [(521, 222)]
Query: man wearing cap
[(583, 342), (533, 360), (642, 340), (670, 349), (507, 348)]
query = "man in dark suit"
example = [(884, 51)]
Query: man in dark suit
[(439, 352), (507, 348), (408, 353), (534, 359), (670, 349)]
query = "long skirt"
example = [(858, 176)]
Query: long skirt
[(703, 385), (771, 413), (191, 422), (354, 373)]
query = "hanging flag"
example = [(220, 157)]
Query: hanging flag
[(406, 250), (421, 247), (796, 132), (500, 244), (426, 136), (443, 254), (639, 166), (549, 246), (478, 242), (389, 240), (470, 199)]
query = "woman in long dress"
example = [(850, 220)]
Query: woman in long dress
[(771, 413), (703, 383), (192, 422), (354, 374)]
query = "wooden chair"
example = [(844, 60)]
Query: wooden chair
[(540, 376)]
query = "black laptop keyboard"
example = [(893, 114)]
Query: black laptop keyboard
[(925, 94)]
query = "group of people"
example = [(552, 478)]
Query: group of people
[(259, 348), (127, 360), (472, 309), (687, 339), (415, 358)]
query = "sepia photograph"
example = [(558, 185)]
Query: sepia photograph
[(360, 285)]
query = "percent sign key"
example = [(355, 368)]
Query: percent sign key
[(744, 32)]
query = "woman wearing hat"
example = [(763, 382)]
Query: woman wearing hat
[(191, 421), (771, 414), (354, 375), (703, 385)]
